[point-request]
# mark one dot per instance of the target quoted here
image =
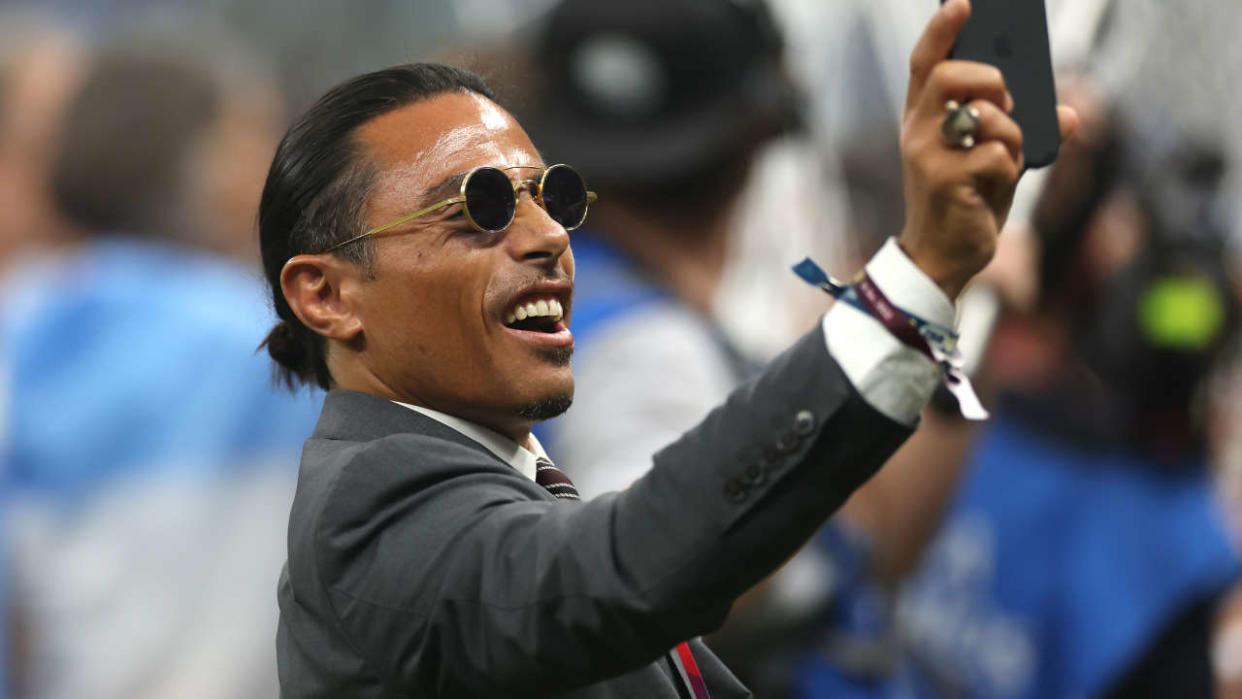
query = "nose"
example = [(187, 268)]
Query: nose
[(535, 236)]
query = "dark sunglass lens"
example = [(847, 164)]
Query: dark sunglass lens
[(565, 196), (489, 199)]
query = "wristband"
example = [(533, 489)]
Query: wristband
[(934, 341)]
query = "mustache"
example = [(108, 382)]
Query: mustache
[(532, 282), (557, 276)]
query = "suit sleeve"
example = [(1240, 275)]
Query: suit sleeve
[(462, 578), (895, 379)]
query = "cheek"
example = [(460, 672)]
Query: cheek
[(436, 316)]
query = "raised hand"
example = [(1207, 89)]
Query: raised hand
[(957, 199)]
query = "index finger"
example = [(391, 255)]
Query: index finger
[(935, 44)]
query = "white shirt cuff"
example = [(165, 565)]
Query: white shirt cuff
[(894, 379)]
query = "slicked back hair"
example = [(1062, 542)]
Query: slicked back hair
[(316, 193)]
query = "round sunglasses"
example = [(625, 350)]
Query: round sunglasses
[(489, 199)]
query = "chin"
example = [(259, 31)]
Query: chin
[(545, 408), (549, 389)]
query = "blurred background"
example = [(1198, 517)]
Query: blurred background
[(1083, 542)]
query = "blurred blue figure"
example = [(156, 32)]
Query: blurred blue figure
[(1085, 553), (148, 466), (1067, 572), (148, 459)]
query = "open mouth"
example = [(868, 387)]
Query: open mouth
[(539, 314)]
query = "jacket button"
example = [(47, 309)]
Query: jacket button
[(804, 423), (756, 475), (770, 460), (735, 490), (788, 443)]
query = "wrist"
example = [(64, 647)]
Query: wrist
[(949, 272)]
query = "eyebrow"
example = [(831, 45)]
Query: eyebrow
[(446, 188)]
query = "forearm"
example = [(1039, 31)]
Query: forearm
[(901, 507)]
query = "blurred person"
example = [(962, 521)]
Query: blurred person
[(212, 206), (431, 549), (664, 105), (1085, 553), (147, 457)]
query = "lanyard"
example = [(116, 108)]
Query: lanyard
[(936, 342), (683, 660)]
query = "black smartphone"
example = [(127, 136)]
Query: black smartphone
[(1013, 36)]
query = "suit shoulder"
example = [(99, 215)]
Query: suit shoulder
[(335, 468), (406, 476), (392, 500), (351, 492)]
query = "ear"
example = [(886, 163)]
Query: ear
[(319, 289)]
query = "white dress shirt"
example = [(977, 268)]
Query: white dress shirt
[(508, 451), (895, 379)]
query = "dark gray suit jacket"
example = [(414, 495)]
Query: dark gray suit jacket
[(420, 565)]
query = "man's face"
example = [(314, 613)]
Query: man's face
[(433, 316)]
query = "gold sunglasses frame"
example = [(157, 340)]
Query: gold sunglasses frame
[(461, 199)]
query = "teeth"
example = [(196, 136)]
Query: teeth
[(536, 309)]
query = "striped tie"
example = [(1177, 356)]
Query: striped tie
[(556, 482)]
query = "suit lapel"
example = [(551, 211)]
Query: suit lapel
[(351, 416)]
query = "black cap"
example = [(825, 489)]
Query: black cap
[(642, 91)]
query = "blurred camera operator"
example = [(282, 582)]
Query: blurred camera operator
[(1085, 553)]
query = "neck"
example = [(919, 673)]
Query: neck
[(353, 376), (520, 435), (687, 258)]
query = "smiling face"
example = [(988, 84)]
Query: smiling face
[(441, 319)]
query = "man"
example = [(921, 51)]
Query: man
[(429, 551)]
